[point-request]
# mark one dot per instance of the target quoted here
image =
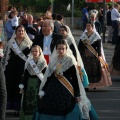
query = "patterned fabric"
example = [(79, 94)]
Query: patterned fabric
[(93, 68), (57, 99), (116, 59), (31, 96), (75, 114)]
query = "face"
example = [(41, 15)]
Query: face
[(46, 29), (20, 32), (12, 15), (25, 16), (63, 32), (35, 52), (30, 19), (89, 27), (92, 18), (61, 49), (40, 22)]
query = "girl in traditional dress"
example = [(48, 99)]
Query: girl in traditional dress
[(15, 55), (92, 54), (67, 35), (34, 68), (62, 96)]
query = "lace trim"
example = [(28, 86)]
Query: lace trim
[(6, 57), (66, 62), (41, 64), (94, 37), (25, 43)]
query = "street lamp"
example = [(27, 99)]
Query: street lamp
[(104, 19), (72, 15)]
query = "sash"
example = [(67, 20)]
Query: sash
[(66, 83), (36, 70), (105, 65), (17, 50), (80, 72)]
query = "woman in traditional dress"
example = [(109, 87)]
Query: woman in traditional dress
[(115, 65), (15, 55), (67, 35), (34, 69), (62, 95), (92, 54)]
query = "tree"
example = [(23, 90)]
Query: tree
[(41, 6)]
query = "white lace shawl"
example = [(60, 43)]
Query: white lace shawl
[(72, 41), (94, 37), (41, 64), (24, 44)]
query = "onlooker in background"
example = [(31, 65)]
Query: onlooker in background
[(14, 9), (3, 94), (49, 12), (54, 17), (115, 15), (8, 28), (14, 20), (58, 22), (31, 28), (100, 16), (10, 8), (39, 25), (44, 17), (85, 16), (94, 10), (24, 19), (109, 25), (97, 24)]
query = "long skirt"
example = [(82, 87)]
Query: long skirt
[(98, 75), (75, 114), (85, 81), (29, 102)]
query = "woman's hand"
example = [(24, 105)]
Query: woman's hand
[(21, 91), (100, 58), (78, 99)]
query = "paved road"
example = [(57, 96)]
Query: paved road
[(106, 101)]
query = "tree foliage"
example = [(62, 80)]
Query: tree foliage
[(59, 6)]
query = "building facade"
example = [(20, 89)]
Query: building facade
[(3, 7)]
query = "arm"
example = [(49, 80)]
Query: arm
[(9, 28), (98, 42), (73, 50), (74, 81), (3, 94), (117, 13), (24, 78)]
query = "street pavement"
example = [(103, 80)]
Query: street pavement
[(106, 101)]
